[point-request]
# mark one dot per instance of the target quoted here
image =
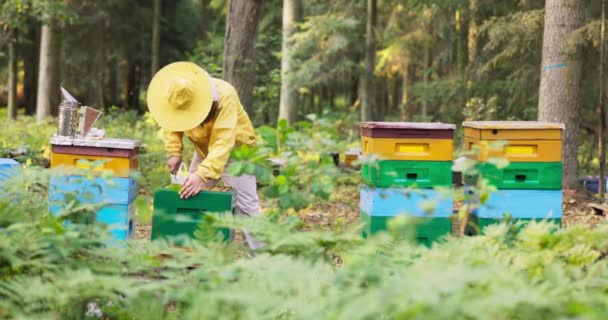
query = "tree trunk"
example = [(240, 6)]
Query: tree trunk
[(45, 75), (426, 76), (113, 90), (289, 95), (367, 85), (12, 76), (30, 68), (602, 107), (560, 94), (239, 48), (55, 94), (473, 30), (354, 89), (404, 94), (205, 19), (155, 38)]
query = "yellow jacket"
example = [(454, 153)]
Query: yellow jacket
[(226, 127)]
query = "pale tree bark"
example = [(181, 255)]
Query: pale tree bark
[(368, 92), (560, 93), (43, 104), (239, 48), (155, 37), (287, 107), (12, 76), (473, 30)]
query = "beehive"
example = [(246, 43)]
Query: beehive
[(175, 217), (416, 156), (117, 158), (529, 187)]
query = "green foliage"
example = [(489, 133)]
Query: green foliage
[(49, 270), (302, 156)]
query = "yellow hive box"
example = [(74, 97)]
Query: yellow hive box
[(120, 167), (526, 141), (409, 149)]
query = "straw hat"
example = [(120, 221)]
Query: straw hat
[(180, 96)]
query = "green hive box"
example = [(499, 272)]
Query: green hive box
[(422, 174), (428, 230), (521, 175), (480, 223), (174, 216)]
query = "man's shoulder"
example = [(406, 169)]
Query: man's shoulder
[(224, 87)]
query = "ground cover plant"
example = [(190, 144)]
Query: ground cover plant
[(50, 270)]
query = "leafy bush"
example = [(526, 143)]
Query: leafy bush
[(49, 270)]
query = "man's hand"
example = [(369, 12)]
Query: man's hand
[(192, 186), (173, 163)]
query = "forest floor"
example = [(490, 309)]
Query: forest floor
[(342, 209)]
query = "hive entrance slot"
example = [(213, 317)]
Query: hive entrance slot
[(412, 176), (520, 178)]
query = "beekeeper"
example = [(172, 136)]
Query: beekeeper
[(185, 100)]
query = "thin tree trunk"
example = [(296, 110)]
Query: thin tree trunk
[(473, 30), (289, 95), (55, 93), (354, 89), (426, 76), (205, 19), (30, 67), (43, 104), (560, 94), (113, 98), (98, 60), (12, 76), (239, 48), (404, 94), (602, 107), (155, 37), (368, 85)]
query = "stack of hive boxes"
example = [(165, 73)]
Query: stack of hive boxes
[(175, 217), (117, 158), (8, 168), (530, 186), (410, 156)]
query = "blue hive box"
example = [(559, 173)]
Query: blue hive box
[(97, 190), (119, 218), (391, 202), (523, 204), (8, 168), (117, 194)]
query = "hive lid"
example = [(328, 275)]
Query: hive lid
[(101, 143), (408, 125), (513, 125)]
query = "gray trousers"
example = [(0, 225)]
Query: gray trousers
[(245, 197)]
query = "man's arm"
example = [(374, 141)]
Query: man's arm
[(221, 141), (173, 143)]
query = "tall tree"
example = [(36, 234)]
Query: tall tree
[(12, 75), (29, 52), (561, 71), (602, 106), (239, 47), (367, 85), (156, 37), (46, 70), (473, 30), (205, 18), (287, 108)]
